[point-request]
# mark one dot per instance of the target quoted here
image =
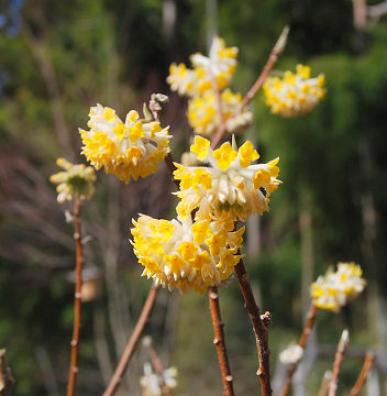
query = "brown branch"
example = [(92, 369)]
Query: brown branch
[(6, 379), (132, 343), (79, 261), (361, 379), (273, 57), (307, 330), (339, 357), (323, 391), (157, 364), (272, 60), (260, 326), (219, 342)]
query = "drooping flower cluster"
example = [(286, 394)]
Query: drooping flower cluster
[(335, 289), (129, 149), (152, 383), (186, 254), (206, 85), (75, 181), (294, 93), (230, 186)]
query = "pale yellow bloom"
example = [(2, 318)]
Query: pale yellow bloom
[(129, 149), (335, 289), (230, 186), (208, 72), (75, 181), (294, 93), (203, 112), (186, 254)]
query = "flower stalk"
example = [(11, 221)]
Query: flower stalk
[(307, 330), (361, 379), (260, 327), (132, 343), (79, 262), (339, 357), (219, 341)]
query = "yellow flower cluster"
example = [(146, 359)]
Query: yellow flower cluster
[(218, 68), (184, 254), (203, 114), (204, 83), (230, 186), (335, 289), (75, 181), (129, 149), (295, 93)]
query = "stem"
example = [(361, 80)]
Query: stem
[(339, 357), (79, 261), (260, 326), (302, 342), (361, 379), (323, 391), (272, 60), (132, 342), (307, 330), (219, 341), (158, 366)]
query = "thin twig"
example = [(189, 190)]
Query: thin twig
[(157, 364), (323, 391), (79, 261), (219, 341), (361, 379), (339, 357), (260, 326), (132, 343), (307, 330), (273, 57)]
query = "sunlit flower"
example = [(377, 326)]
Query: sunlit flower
[(292, 354), (203, 113), (208, 72), (128, 150), (229, 186), (184, 254), (335, 289), (152, 383), (294, 93), (75, 181)]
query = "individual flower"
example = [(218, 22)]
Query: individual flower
[(294, 93), (335, 289), (203, 114), (129, 149), (208, 72), (75, 181), (229, 186), (152, 383), (186, 254), (292, 354)]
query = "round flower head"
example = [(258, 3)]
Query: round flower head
[(295, 93), (127, 150), (230, 186), (203, 114), (217, 68), (184, 254), (335, 289), (75, 181)]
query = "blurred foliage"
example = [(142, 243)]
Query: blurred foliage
[(57, 61)]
